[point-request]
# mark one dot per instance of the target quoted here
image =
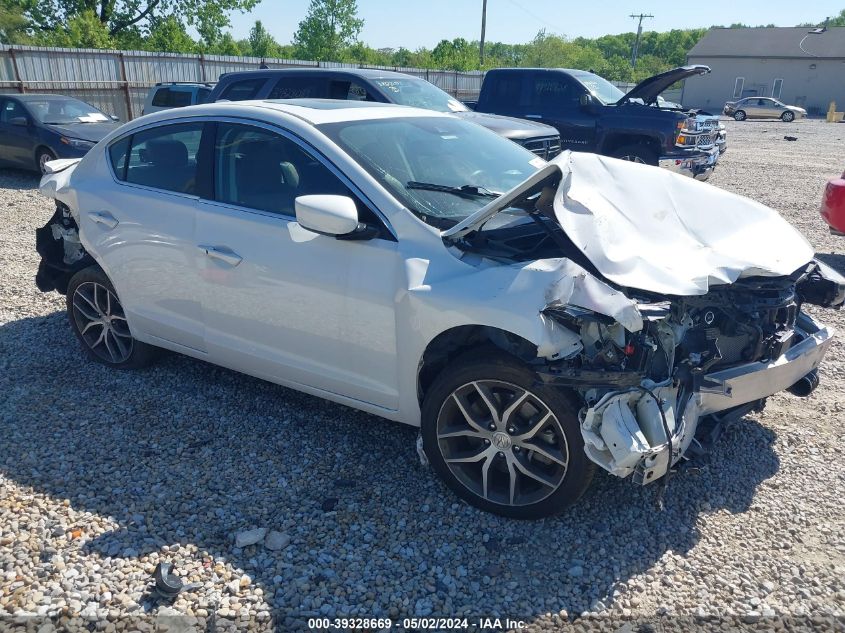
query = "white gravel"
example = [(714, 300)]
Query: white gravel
[(104, 474)]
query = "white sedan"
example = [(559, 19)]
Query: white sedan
[(535, 319)]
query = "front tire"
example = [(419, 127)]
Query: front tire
[(99, 322), (42, 157), (636, 153), (787, 117), (500, 441), (739, 115)]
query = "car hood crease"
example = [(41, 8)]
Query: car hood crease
[(653, 230)]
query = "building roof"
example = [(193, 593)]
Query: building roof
[(771, 42)]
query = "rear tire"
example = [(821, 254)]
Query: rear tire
[(500, 441), (99, 322), (636, 153), (787, 117), (42, 156), (739, 115)]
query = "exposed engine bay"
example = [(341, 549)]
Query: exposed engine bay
[(717, 353)]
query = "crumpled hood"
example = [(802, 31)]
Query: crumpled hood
[(657, 231), (649, 89)]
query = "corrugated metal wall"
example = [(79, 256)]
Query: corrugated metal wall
[(117, 82)]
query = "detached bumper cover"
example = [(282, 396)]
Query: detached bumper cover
[(753, 381)]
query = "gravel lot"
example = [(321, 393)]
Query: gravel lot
[(104, 474)]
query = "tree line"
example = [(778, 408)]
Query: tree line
[(329, 31)]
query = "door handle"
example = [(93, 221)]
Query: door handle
[(105, 218), (223, 253)]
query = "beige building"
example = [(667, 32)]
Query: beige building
[(795, 65)]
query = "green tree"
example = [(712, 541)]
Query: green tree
[(226, 45), (209, 17), (458, 54), (329, 27), (14, 26), (83, 30), (261, 43), (169, 35)]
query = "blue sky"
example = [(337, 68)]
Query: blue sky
[(395, 23)]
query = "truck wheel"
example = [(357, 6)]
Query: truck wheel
[(787, 117), (636, 153), (739, 115), (502, 442)]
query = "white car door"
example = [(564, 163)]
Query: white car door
[(140, 226), (281, 302)]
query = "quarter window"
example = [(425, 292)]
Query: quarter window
[(165, 157), (118, 152)]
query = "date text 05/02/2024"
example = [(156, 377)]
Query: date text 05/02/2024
[(414, 624)]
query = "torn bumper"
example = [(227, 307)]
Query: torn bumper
[(699, 166), (753, 381)]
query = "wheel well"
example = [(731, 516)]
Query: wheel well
[(450, 344), (616, 141)]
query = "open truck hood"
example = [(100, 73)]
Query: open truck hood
[(649, 89), (654, 230)]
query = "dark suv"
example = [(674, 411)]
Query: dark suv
[(381, 86)]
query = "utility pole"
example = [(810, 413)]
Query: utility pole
[(483, 29), (636, 50)]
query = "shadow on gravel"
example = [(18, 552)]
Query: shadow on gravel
[(187, 453), (19, 179), (834, 260)]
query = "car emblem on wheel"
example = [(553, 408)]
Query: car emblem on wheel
[(501, 440)]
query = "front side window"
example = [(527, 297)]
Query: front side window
[(442, 169), (419, 94), (549, 91), (348, 91), (259, 169), (165, 157), (599, 87), (243, 90)]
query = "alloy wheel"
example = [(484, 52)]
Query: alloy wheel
[(502, 442), (43, 159), (101, 322)]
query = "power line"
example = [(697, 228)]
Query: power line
[(636, 50)]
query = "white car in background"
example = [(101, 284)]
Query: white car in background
[(535, 319)]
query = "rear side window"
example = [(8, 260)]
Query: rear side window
[(170, 98), (242, 90), (165, 157), (507, 88), (299, 88)]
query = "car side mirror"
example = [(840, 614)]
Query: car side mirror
[(336, 216), (587, 102), (19, 120), (114, 117)]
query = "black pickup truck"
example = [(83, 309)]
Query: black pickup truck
[(381, 86), (593, 115)]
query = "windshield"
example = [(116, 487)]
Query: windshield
[(419, 93), (599, 87), (64, 110), (441, 168)]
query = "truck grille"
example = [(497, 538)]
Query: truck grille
[(546, 148)]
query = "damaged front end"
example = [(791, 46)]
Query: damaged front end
[(717, 323), (724, 352)]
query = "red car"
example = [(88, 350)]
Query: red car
[(833, 205)]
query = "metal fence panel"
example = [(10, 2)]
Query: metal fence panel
[(118, 81)]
